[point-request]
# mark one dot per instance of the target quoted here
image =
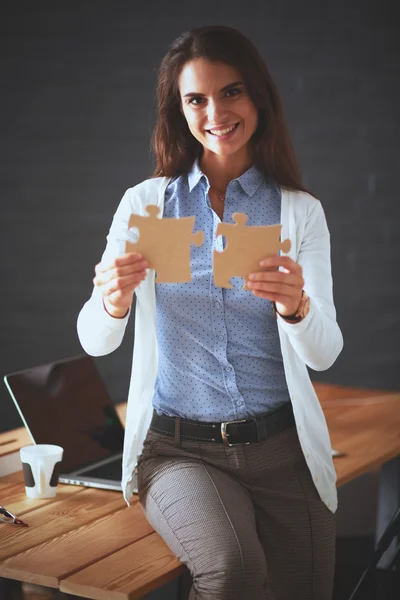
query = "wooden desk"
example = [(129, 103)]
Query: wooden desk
[(365, 424), (87, 542)]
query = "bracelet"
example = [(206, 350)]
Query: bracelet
[(301, 312), (292, 317), (113, 316)]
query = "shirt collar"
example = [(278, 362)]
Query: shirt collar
[(249, 181), (195, 174)]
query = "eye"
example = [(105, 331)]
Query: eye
[(234, 91), (231, 93), (195, 98)]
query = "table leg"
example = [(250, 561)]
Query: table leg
[(184, 585), (388, 503), (10, 589)]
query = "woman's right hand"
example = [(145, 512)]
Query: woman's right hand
[(118, 280)]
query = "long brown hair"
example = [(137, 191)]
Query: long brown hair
[(173, 144)]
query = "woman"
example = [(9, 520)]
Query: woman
[(236, 471)]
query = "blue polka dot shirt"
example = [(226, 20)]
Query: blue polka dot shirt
[(219, 351)]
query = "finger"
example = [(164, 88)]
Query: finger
[(125, 260), (136, 265), (268, 287), (281, 261), (114, 283), (102, 276), (121, 271), (273, 297), (287, 278), (117, 292), (128, 258)]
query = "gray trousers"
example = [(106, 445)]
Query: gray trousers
[(247, 520)]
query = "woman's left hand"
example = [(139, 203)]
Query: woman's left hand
[(282, 287)]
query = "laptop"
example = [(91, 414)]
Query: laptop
[(66, 403)]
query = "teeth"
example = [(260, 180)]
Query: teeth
[(222, 131)]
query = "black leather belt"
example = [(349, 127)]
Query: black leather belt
[(245, 431)]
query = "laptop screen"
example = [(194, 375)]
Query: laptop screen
[(66, 403)]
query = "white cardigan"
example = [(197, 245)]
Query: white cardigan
[(316, 341)]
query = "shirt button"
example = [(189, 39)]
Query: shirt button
[(221, 337), (228, 369), (316, 478)]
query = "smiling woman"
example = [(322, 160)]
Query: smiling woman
[(224, 431), (239, 80), (223, 120)]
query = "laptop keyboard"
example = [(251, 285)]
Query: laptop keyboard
[(111, 470)]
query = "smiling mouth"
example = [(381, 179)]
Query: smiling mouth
[(222, 132)]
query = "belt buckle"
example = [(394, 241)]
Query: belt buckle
[(225, 434)]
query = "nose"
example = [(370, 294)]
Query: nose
[(215, 112)]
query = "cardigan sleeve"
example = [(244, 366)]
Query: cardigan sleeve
[(317, 339), (99, 333)]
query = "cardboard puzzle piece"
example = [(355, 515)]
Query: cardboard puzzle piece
[(165, 244), (246, 246)]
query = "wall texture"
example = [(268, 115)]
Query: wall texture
[(77, 109)]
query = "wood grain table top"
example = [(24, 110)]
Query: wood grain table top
[(87, 542)]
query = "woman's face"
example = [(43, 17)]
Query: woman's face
[(217, 108)]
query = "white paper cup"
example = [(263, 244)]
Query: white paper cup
[(41, 467)]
